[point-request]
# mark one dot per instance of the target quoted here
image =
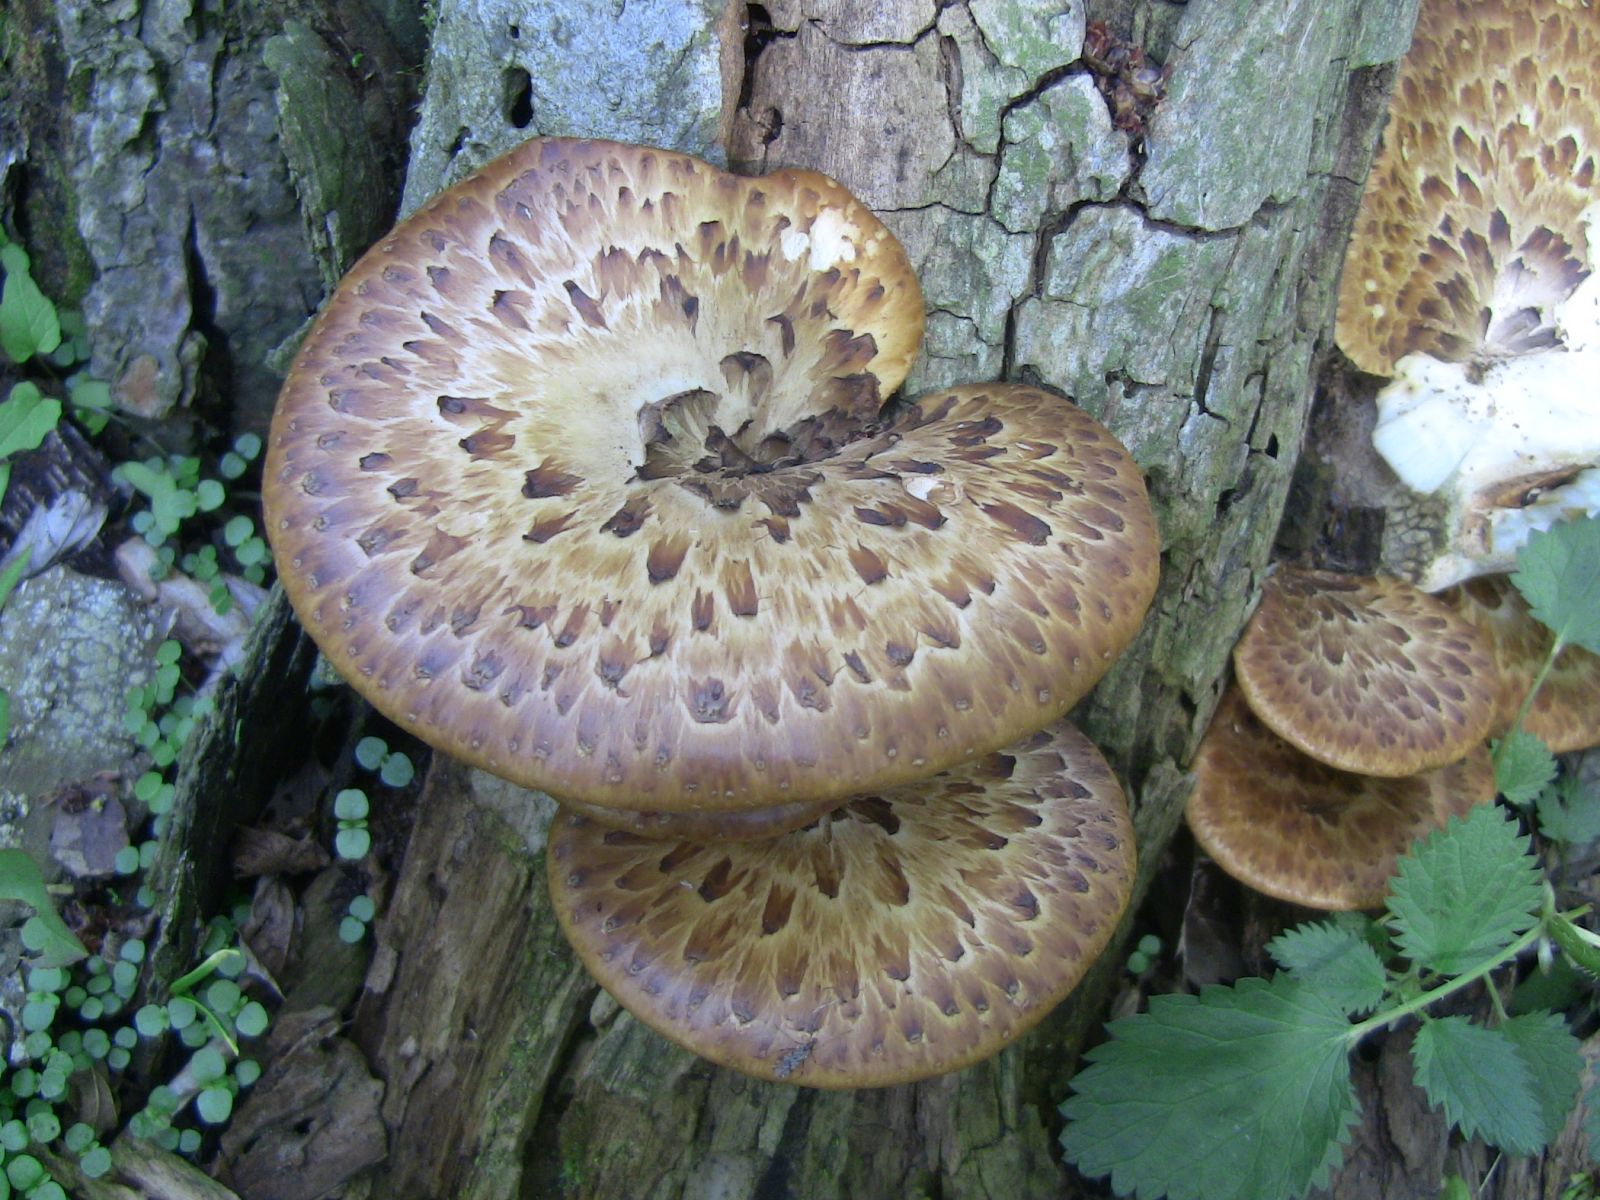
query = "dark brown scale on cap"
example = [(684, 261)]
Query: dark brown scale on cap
[(1368, 675), (1304, 832), (912, 932), (747, 825), (692, 442)]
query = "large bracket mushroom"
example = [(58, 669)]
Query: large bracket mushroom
[(585, 475), (1470, 283)]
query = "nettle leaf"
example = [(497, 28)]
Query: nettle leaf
[(28, 321), (1238, 1093), (1479, 1078), (25, 418), (1591, 1120), (1569, 812), (1555, 1067), (1465, 893), (1335, 960), (1523, 765), (1558, 573)]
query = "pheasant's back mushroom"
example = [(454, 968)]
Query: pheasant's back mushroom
[(581, 477), (1469, 281), (1299, 830), (912, 932), (1365, 674)]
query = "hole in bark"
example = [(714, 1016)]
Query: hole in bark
[(519, 97)]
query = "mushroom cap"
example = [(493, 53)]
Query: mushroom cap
[(1565, 714), (581, 477), (911, 932), (1365, 674), (739, 825), (1470, 232), (1296, 829)]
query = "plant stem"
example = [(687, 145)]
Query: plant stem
[(1556, 647), (1417, 1003)]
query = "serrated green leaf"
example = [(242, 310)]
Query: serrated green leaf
[(1335, 960), (1554, 987), (1465, 893), (20, 880), (26, 416), (1569, 813), (28, 321), (1555, 1067), (1239, 1093), (1523, 765), (1477, 1076), (1558, 573)]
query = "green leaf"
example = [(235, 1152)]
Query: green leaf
[(1569, 813), (1478, 1077), (1239, 1093), (1558, 573), (28, 321), (1523, 765), (13, 573), (20, 880), (25, 418), (1335, 960), (1578, 943), (214, 1104), (1555, 1067), (1465, 893)]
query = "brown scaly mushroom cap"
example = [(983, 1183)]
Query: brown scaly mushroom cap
[(910, 933), (1566, 712), (1296, 829), (1471, 227), (739, 825), (1470, 282), (1367, 675), (580, 478)]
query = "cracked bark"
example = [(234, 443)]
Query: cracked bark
[(1180, 289)]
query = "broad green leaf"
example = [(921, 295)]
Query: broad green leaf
[(1465, 893), (1558, 573), (1569, 813), (20, 880), (28, 322), (1239, 1093), (25, 418), (1555, 986), (1555, 1067), (1523, 765), (1478, 1077), (1335, 960)]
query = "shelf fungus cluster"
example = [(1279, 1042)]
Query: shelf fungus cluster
[(586, 475), (1470, 283), (1355, 726)]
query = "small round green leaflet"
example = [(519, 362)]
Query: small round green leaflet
[(151, 1020), (14, 1137), (25, 1172), (208, 1065), (252, 1020), (44, 1126), (246, 1071), (362, 908), (214, 1104), (79, 1137), (96, 1162), (370, 752), (396, 770), (352, 844), (350, 805), (181, 1012), (351, 930)]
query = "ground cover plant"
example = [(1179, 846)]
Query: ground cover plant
[(1244, 1092)]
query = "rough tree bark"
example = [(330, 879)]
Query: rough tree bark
[(1180, 288)]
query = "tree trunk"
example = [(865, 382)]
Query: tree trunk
[(1175, 276)]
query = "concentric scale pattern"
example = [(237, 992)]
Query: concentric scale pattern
[(582, 477), (1367, 675), (1294, 828), (1469, 232), (912, 932)]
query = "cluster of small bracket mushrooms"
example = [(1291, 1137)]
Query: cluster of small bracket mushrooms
[(587, 476), (1362, 704)]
